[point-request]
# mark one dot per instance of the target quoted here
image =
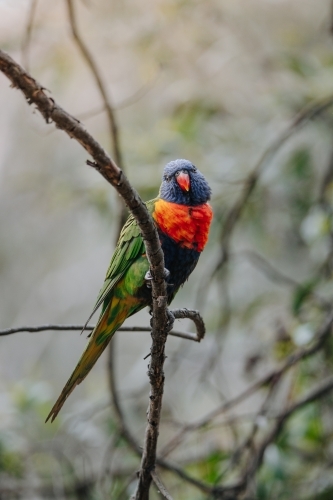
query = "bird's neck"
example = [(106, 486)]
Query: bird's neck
[(188, 226)]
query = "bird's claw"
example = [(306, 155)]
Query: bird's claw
[(170, 321), (149, 277), (166, 273)]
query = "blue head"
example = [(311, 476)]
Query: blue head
[(183, 183)]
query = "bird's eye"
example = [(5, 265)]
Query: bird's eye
[(194, 168), (177, 173), (166, 178)]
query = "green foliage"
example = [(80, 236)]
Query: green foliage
[(299, 178), (301, 294), (211, 468), (189, 118), (10, 462), (300, 65), (326, 494)]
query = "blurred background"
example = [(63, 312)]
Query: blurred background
[(243, 89)]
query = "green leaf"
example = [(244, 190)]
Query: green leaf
[(301, 294)]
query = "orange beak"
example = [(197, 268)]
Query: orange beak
[(183, 180)]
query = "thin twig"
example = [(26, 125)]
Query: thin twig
[(79, 489), (248, 443), (42, 328), (125, 103), (197, 320), (331, 20), (160, 486), (27, 35), (276, 276), (114, 136)]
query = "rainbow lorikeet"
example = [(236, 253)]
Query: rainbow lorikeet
[(182, 216)]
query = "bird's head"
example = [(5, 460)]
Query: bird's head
[(183, 183)]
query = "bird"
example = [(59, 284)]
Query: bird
[(183, 216)]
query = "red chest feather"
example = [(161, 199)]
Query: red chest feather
[(188, 226)]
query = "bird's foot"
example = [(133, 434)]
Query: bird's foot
[(149, 277), (170, 320), (166, 273)]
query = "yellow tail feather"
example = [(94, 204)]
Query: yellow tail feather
[(88, 358)]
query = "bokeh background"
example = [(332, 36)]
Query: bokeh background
[(218, 82)]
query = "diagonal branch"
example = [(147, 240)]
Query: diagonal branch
[(160, 486), (276, 276), (51, 111)]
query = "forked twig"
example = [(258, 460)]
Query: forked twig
[(160, 486)]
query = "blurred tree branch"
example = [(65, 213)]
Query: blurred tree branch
[(270, 378), (276, 276), (114, 130), (256, 459), (310, 112), (25, 47), (161, 488)]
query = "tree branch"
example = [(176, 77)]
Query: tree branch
[(160, 486), (131, 440), (197, 320), (28, 32), (196, 337), (51, 111)]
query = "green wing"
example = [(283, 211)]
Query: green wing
[(130, 246)]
